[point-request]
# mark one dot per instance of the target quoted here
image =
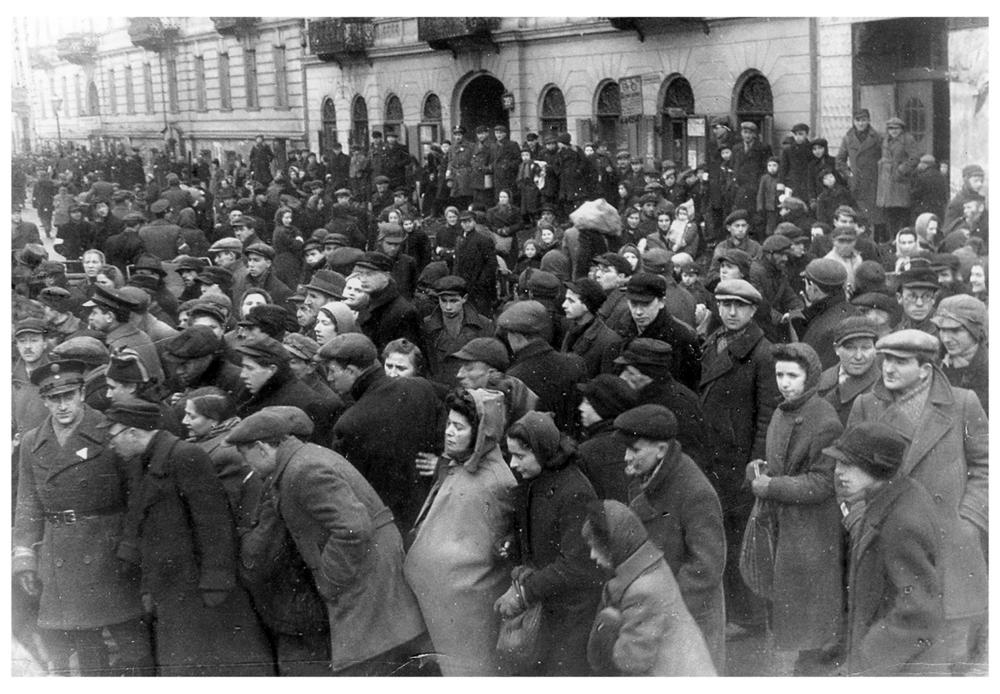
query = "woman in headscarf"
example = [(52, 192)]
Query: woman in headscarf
[(554, 568), (807, 596), (332, 319), (454, 567), (288, 245), (928, 230)]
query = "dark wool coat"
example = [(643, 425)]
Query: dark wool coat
[(441, 344), (182, 532), (683, 402), (843, 395), (794, 171), (749, 164), (601, 457), (948, 455), (483, 156), (595, 343), (391, 420), (346, 537), (549, 511), (76, 563), (390, 316), (895, 582), (857, 161), (975, 376), (553, 377), (807, 595), (821, 320), (161, 238), (779, 297), (683, 340), (682, 515), (242, 488), (283, 388), (476, 263), (460, 169), (738, 396)]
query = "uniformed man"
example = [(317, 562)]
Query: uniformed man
[(71, 498), (28, 410), (58, 307), (110, 312)]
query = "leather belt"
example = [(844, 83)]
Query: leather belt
[(71, 516)]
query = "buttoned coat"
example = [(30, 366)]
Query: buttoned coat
[(553, 377), (948, 455), (346, 537), (857, 161), (76, 562), (459, 170), (595, 343), (843, 395), (681, 512), (441, 344), (900, 156), (807, 595)]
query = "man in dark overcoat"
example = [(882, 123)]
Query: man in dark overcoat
[(601, 453), (476, 263), (827, 306), (389, 315), (68, 522), (857, 161), (450, 326), (749, 164), (858, 369)]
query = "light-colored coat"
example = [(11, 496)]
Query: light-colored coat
[(900, 156), (857, 162)]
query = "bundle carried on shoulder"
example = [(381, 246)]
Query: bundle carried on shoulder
[(599, 216)]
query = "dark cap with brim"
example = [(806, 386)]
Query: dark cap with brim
[(267, 423), (872, 446), (133, 412), (488, 350), (58, 376), (653, 422)]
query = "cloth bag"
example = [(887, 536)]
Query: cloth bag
[(518, 642), (757, 550)]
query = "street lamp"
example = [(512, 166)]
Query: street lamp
[(56, 105)]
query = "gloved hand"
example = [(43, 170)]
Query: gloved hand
[(214, 598), (28, 580), (509, 604)]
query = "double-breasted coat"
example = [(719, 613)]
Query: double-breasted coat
[(857, 161), (82, 587), (900, 156), (843, 395), (459, 170)]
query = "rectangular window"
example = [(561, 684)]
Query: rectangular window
[(201, 100), (147, 80), (112, 93), (250, 74), (280, 78), (129, 91), (225, 91), (172, 85)]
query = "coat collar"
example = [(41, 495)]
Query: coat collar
[(381, 298), (736, 350), (86, 431), (370, 378), (877, 511), (664, 472), (640, 561), (533, 349), (935, 421)]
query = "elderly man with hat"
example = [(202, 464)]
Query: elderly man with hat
[(181, 534), (389, 315), (587, 335), (325, 286), (826, 306), (68, 526), (195, 358), (679, 508), (738, 227), (650, 318), (476, 263), (404, 268), (269, 381), (390, 421), (900, 156), (917, 292), (769, 274), (111, 314), (260, 275), (738, 395), (963, 328), (343, 541), (161, 237), (550, 374), (59, 307), (27, 407), (228, 253), (859, 367), (895, 606), (450, 326), (973, 178), (857, 161), (948, 453)]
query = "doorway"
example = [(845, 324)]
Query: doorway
[(481, 103)]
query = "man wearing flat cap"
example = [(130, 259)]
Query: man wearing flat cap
[(737, 225), (58, 306), (738, 395), (260, 275), (161, 237), (679, 508), (963, 328), (345, 544), (458, 174), (180, 533), (948, 453), (187, 268), (894, 569), (900, 156), (389, 315), (826, 306), (27, 407), (859, 367), (857, 161), (389, 242), (482, 363), (973, 178), (476, 263), (111, 313), (195, 359), (917, 293), (769, 274), (450, 326), (68, 526), (795, 163), (749, 164)]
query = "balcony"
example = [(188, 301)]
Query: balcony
[(152, 33), (40, 59), (341, 40), (458, 33), (643, 26), (234, 26), (77, 48)]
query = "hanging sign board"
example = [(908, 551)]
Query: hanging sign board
[(630, 89)]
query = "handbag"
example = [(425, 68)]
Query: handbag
[(518, 642), (757, 550)]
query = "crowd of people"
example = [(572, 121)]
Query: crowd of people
[(361, 416)]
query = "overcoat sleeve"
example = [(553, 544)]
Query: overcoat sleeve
[(814, 483), (974, 506), (643, 628)]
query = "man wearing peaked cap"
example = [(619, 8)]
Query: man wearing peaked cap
[(94, 356), (228, 253), (187, 268), (681, 511), (963, 328), (824, 280), (80, 514), (588, 336), (111, 312), (451, 325), (127, 378), (858, 368), (260, 275), (198, 360), (917, 291), (947, 454), (390, 315), (59, 306)]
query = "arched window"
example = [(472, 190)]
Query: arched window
[(431, 112), (609, 112), (429, 132), (755, 103), (553, 111), (678, 104), (393, 115), (93, 100), (329, 132), (359, 122)]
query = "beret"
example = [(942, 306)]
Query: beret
[(973, 170), (58, 376), (381, 179), (869, 276), (776, 243), (963, 311), (344, 259), (826, 271), (301, 346), (525, 317), (328, 282), (84, 348), (260, 249), (908, 343), (31, 325), (590, 292), (451, 284), (790, 230), (132, 412), (875, 447), (207, 308), (350, 348), (734, 256), (747, 125), (215, 274), (918, 277), (737, 215), (543, 283), (737, 290), (193, 342), (488, 350), (799, 127), (373, 260), (646, 286), (187, 262), (56, 298), (654, 422), (159, 206), (263, 348), (230, 243), (263, 424), (820, 142), (657, 260), (608, 395), (895, 121), (391, 232), (855, 326), (646, 351)]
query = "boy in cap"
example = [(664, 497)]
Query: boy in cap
[(679, 508), (963, 328), (68, 529), (948, 454), (738, 226), (260, 275), (587, 334), (895, 608), (844, 240), (451, 325), (795, 162), (859, 368), (127, 378), (826, 306)]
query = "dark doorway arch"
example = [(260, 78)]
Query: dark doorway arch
[(608, 111), (676, 106), (754, 102), (393, 122), (359, 122), (481, 103), (553, 111)]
